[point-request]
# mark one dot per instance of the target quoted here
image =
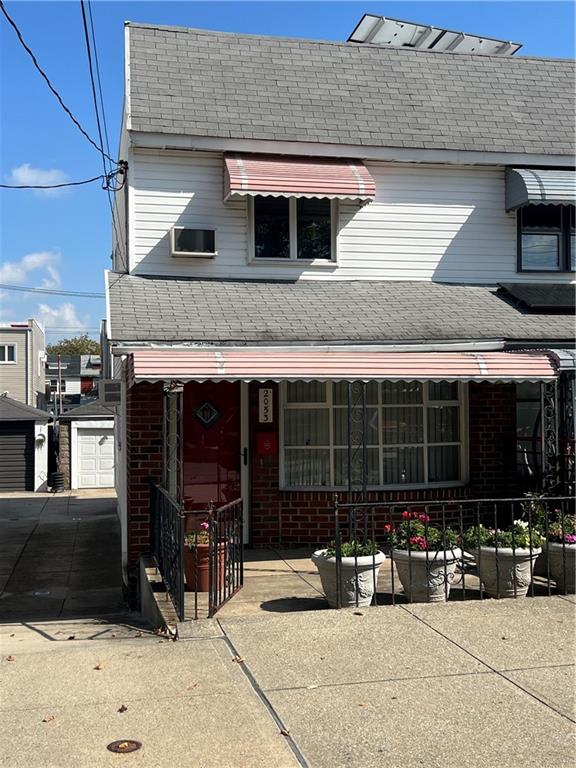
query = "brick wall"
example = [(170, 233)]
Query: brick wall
[(64, 442), (298, 517), (144, 452)]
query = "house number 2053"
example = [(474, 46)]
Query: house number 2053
[(265, 406)]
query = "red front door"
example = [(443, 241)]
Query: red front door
[(211, 452)]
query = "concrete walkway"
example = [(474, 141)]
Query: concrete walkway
[(465, 685), (59, 555)]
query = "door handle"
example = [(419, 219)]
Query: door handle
[(244, 455)]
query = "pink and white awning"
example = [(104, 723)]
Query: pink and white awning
[(284, 364), (281, 176)]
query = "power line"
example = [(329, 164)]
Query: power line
[(107, 178), (86, 294), (93, 85), (49, 84)]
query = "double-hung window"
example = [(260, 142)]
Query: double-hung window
[(414, 434), (293, 229), (546, 238), (7, 353)]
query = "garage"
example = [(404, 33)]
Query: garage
[(86, 446), (23, 446), (95, 457)]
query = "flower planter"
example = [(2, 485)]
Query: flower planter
[(562, 559), (366, 568), (197, 567), (505, 572), (426, 579)]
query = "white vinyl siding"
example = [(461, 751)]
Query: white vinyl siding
[(427, 222)]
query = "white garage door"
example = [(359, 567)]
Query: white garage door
[(95, 458)]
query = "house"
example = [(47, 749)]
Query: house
[(22, 358), (86, 446), (23, 446), (75, 377), (341, 267)]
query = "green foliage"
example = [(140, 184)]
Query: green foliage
[(416, 533), (352, 548), (516, 536), (562, 530), (77, 345)]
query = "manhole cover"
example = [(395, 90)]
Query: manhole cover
[(124, 745)]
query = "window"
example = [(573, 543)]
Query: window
[(528, 432), (54, 385), (298, 229), (7, 353), (414, 434), (546, 238), (193, 242)]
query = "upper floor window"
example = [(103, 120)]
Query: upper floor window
[(546, 241), (298, 229), (7, 353)]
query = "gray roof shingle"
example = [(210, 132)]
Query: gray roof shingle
[(94, 408), (146, 309), (14, 410), (201, 83)]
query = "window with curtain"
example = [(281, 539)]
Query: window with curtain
[(413, 434)]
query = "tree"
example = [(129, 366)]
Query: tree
[(78, 345)]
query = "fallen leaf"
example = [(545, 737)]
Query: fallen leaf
[(358, 613), (123, 708), (10, 658), (504, 637), (71, 637), (363, 705), (238, 659), (191, 687), (394, 697), (48, 719), (124, 745), (284, 732), (12, 635), (311, 686), (98, 666), (138, 634)]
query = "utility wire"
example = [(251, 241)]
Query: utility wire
[(49, 84), (8, 287), (106, 178)]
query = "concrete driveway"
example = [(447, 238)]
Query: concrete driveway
[(59, 555)]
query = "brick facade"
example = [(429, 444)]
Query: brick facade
[(144, 456), (299, 517)]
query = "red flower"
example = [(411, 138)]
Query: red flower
[(405, 514)]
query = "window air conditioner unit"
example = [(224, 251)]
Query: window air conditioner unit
[(110, 392), (198, 243)]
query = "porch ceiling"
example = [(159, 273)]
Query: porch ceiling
[(331, 365)]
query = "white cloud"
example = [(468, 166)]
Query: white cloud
[(65, 317), (28, 175), (18, 272)]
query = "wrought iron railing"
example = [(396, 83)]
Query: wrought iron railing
[(461, 549), (167, 540)]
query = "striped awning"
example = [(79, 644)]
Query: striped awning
[(534, 185), (280, 176), (285, 364)]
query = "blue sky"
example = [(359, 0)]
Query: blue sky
[(63, 240)]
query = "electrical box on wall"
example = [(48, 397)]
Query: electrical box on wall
[(267, 444)]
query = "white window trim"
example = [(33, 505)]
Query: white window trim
[(294, 261), (328, 404), (9, 362)]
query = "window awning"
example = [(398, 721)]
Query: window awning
[(277, 176), (528, 185), (284, 364)]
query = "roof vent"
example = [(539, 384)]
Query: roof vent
[(378, 30)]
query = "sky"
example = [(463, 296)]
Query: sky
[(62, 240)]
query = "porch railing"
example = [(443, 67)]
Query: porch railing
[(167, 540), (420, 572)]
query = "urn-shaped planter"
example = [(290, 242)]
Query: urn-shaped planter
[(358, 577), (426, 576), (562, 561), (197, 567), (505, 572)]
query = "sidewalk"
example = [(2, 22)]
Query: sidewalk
[(465, 685)]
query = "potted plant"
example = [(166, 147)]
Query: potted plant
[(560, 552), (360, 563), (425, 557), (197, 559), (505, 557)]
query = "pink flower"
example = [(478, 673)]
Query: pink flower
[(205, 526), (570, 538), (424, 518), (419, 542)]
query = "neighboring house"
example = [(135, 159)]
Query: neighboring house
[(23, 446), (74, 376), (22, 359), (86, 446), (304, 216)]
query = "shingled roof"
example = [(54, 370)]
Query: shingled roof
[(158, 309), (200, 83)]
